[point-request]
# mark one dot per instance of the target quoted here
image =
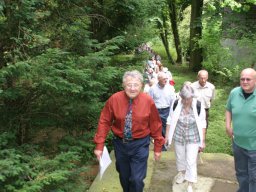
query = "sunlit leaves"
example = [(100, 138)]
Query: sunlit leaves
[(238, 6)]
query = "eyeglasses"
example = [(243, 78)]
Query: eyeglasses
[(245, 79), (130, 85)]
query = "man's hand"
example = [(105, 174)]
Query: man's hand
[(229, 132), (157, 156), (98, 153)]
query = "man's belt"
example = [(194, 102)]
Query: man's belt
[(164, 109), (124, 140), (127, 140)]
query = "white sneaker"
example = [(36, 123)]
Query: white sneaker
[(190, 189), (180, 178)]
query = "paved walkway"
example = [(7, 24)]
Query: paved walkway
[(215, 174)]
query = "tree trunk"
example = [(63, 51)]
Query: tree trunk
[(176, 37), (196, 57), (164, 37), (166, 46)]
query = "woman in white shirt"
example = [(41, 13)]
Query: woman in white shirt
[(186, 128)]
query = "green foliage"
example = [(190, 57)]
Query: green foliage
[(238, 6), (179, 77), (25, 169), (157, 46), (217, 140), (35, 91), (53, 75), (126, 18), (81, 145), (184, 28), (225, 55)]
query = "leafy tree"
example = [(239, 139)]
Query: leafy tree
[(228, 49), (162, 27), (49, 57), (26, 169), (129, 18), (53, 75)]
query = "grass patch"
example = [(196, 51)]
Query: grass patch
[(217, 139)]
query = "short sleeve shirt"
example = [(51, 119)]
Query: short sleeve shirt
[(243, 113)]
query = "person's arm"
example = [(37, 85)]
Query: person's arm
[(157, 156), (213, 94), (151, 92), (156, 130), (104, 126), (167, 134), (98, 153), (203, 143), (229, 129), (202, 117), (168, 123)]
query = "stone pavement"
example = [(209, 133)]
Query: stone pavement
[(215, 174)]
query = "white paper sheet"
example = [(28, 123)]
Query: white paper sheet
[(105, 161)]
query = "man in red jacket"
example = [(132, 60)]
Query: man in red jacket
[(133, 118)]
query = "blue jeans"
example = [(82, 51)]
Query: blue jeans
[(245, 166), (131, 163)]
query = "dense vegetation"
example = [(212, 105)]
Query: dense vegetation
[(60, 60)]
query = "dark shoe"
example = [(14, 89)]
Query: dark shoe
[(164, 148)]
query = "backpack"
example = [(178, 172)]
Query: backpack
[(198, 106)]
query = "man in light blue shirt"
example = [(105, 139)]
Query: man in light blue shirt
[(163, 95)]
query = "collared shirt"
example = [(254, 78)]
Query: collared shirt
[(186, 131), (243, 113), (162, 96), (173, 118), (204, 94), (145, 119)]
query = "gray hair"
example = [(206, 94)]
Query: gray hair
[(161, 74), (135, 74), (203, 71), (187, 91)]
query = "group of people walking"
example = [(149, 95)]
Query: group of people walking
[(153, 67), (179, 118), (184, 121)]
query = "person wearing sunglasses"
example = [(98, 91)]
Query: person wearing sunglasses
[(241, 128)]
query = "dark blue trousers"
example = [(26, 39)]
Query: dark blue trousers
[(131, 163), (245, 166), (164, 113)]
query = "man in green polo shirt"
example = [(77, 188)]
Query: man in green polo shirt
[(241, 112)]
